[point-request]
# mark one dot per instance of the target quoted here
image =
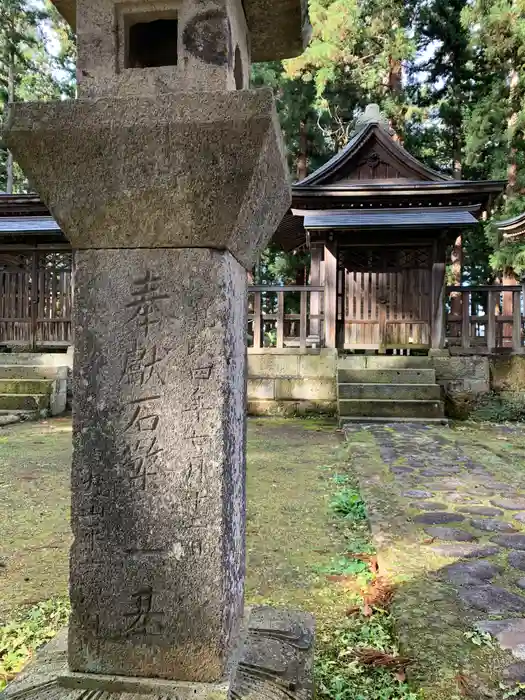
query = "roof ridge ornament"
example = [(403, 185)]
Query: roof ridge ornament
[(372, 114)]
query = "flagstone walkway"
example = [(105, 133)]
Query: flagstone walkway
[(448, 510)]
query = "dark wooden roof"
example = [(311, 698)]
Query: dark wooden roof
[(375, 173), (25, 219), (391, 218), (512, 229)]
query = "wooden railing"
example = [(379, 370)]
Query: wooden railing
[(285, 317), (485, 319)]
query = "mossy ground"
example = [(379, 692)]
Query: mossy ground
[(295, 542), (34, 515)]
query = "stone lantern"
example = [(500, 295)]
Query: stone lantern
[(168, 176)]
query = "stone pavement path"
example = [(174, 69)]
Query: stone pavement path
[(459, 507)]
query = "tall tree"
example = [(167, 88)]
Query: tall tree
[(29, 70), (496, 128)]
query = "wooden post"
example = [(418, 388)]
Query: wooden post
[(280, 320), (491, 326), (516, 322), (316, 252), (257, 319), (35, 291), (438, 296), (303, 323), (465, 319), (330, 296)]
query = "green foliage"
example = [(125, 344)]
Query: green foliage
[(340, 676), (37, 62), (348, 504), (347, 567), (500, 408), (518, 691), (22, 636), (479, 639)]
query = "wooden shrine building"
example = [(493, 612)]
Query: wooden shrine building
[(512, 230), (379, 222), (35, 277)]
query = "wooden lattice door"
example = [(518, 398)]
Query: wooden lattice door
[(387, 297), (35, 298)]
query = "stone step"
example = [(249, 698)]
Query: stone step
[(384, 362), (36, 372), (379, 419), (386, 376), (26, 403), (398, 392), (386, 408), (25, 386)]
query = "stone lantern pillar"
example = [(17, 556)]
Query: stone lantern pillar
[(168, 176)]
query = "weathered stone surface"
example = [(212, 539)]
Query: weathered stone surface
[(515, 642), (401, 471), (515, 673), (480, 510), (274, 660), (470, 572), (520, 517), (277, 29), (172, 149), (511, 541), (492, 599), (509, 503), (437, 518), (517, 560), (277, 657), (489, 525), (495, 627), (157, 562), (465, 551), (520, 583), (460, 498), (415, 493), (450, 533), (510, 634), (429, 505)]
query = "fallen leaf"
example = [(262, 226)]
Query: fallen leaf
[(373, 657), (379, 593), (400, 676)]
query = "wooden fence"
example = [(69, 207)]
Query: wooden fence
[(490, 318), (485, 319), (291, 316)]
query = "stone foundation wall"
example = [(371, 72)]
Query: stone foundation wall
[(468, 380), (288, 382), (507, 373)]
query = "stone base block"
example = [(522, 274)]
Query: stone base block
[(116, 685), (273, 659)]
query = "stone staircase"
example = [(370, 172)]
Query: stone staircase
[(29, 392), (381, 388)]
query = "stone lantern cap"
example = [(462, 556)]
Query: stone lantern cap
[(278, 29), (174, 172)]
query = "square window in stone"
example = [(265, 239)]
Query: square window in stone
[(151, 39)]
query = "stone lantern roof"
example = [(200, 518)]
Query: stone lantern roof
[(278, 28)]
